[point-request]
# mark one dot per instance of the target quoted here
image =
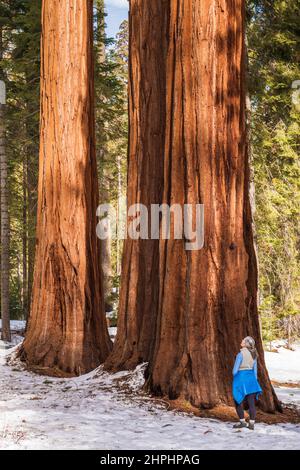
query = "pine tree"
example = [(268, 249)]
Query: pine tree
[(273, 36), (21, 26)]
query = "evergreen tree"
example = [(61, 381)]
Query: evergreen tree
[(273, 36), (21, 26)]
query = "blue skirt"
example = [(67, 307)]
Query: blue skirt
[(245, 383)]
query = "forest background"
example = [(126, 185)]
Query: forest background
[(274, 108)]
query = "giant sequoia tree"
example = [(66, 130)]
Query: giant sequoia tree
[(185, 312), (67, 332)]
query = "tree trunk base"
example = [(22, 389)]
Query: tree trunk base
[(64, 371), (117, 362), (227, 413), (227, 401), (47, 371)]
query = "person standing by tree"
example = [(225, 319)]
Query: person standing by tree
[(245, 383), (178, 307)]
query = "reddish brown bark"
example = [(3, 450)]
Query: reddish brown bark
[(67, 332), (147, 82), (198, 305)]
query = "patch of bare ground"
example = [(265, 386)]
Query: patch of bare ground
[(286, 384), (290, 413)]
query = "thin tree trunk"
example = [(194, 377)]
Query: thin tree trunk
[(25, 241), (289, 331), (30, 176), (118, 221), (20, 280), (187, 82), (4, 218), (104, 182), (5, 233), (101, 30), (67, 333), (31, 179)]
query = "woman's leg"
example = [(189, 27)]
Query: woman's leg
[(240, 410), (252, 408)]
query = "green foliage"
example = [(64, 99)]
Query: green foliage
[(112, 134), (273, 38), (270, 329), (20, 22)]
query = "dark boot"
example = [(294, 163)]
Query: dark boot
[(240, 425)]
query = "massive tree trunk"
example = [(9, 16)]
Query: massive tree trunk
[(67, 332), (188, 136), (147, 81)]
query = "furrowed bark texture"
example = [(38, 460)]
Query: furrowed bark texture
[(67, 332), (147, 81), (185, 312)]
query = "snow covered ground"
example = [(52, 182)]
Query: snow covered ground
[(97, 412), (284, 366), (16, 325), (17, 329)]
